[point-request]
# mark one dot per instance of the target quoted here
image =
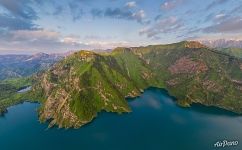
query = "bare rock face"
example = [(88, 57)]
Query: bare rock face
[(47, 86), (57, 110), (187, 65), (212, 86), (194, 44), (146, 75), (173, 82), (86, 55)]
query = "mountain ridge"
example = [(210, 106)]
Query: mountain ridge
[(86, 83), (15, 66), (222, 43), (75, 89)]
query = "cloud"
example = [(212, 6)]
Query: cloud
[(215, 3), (230, 25), (121, 13), (51, 41), (220, 17), (237, 9), (71, 39), (61, 8), (228, 37), (107, 44), (162, 26), (216, 17), (19, 8), (35, 35), (58, 10), (131, 4), (170, 4), (17, 15), (76, 10), (96, 13), (95, 37), (139, 16), (38, 40), (11, 23), (118, 13)]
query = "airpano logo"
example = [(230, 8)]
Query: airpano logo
[(225, 143)]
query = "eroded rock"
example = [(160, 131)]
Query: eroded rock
[(187, 65), (194, 44)]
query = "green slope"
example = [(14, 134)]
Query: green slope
[(214, 81), (74, 90), (236, 52), (9, 92)]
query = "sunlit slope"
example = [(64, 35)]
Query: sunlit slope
[(82, 85), (85, 83)]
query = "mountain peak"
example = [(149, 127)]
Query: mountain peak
[(40, 54), (194, 44), (85, 55)]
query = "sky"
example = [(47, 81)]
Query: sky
[(51, 26)]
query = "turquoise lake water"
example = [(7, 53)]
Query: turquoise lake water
[(156, 123)]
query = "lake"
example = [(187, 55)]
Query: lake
[(156, 123)]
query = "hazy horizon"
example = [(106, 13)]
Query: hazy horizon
[(15, 52)]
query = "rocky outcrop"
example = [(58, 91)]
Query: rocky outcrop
[(186, 65), (194, 45), (86, 55), (57, 110), (172, 82), (211, 86)]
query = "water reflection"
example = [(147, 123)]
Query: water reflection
[(155, 123)]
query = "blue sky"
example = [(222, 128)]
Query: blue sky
[(30, 26)]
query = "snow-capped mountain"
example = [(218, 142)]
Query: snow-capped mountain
[(222, 43)]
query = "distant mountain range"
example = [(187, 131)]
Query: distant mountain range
[(17, 65), (230, 47), (222, 43), (12, 66)]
